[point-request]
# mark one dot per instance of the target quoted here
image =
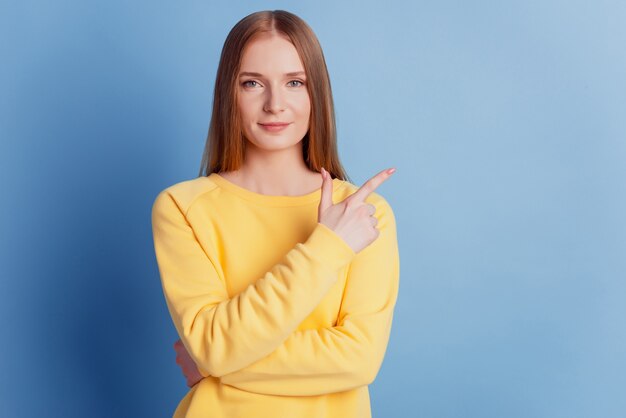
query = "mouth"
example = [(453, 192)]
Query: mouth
[(274, 126)]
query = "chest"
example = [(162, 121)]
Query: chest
[(249, 243)]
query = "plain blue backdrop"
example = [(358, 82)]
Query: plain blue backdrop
[(506, 122)]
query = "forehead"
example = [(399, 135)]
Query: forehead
[(270, 54)]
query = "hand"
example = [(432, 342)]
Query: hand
[(352, 219), (187, 365)]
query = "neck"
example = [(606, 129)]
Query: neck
[(277, 172)]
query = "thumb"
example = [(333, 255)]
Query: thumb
[(326, 199)]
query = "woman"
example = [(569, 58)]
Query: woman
[(283, 299)]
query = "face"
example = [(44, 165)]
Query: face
[(272, 90)]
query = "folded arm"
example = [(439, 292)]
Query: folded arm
[(345, 356), (225, 334)]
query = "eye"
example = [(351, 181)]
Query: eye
[(247, 83), (297, 81)]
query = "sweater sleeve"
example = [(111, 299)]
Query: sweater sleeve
[(345, 356), (225, 334)]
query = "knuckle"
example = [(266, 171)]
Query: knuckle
[(364, 211)]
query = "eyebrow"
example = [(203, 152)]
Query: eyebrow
[(253, 74)]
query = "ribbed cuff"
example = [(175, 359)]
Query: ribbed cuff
[(329, 247)]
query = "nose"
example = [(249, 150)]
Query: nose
[(274, 101)]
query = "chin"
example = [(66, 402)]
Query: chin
[(276, 146), (274, 142)]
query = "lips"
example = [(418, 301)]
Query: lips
[(274, 124)]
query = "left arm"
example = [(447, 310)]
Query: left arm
[(345, 356)]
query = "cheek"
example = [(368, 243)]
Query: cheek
[(246, 108), (243, 112), (304, 107)]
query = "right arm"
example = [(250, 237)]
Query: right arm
[(225, 334)]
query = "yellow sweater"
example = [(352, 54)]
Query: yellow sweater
[(281, 316)]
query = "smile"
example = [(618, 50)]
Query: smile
[(274, 127)]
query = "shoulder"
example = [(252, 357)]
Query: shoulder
[(183, 194)]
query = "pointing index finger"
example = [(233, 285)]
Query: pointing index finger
[(370, 185)]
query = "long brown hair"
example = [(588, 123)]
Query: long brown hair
[(225, 143)]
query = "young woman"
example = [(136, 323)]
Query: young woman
[(280, 275)]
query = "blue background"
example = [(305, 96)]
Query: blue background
[(506, 122)]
